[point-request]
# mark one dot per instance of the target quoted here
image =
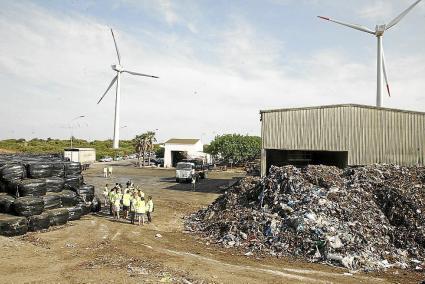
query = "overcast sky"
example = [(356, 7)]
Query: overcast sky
[(219, 63)]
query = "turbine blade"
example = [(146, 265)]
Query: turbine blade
[(139, 74), (116, 47), (356, 27), (384, 69), (402, 15), (109, 87)]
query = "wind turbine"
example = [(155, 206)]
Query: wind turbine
[(379, 32), (119, 69)]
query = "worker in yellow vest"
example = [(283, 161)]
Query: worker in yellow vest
[(149, 209), (117, 203), (126, 199), (140, 210), (111, 197), (133, 200)]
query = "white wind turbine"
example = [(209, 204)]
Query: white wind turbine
[(119, 69), (379, 32)]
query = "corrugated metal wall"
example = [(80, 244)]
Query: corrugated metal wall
[(370, 135)]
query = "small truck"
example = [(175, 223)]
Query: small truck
[(189, 169)]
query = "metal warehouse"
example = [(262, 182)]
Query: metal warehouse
[(341, 135)]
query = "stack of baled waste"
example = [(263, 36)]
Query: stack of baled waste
[(366, 218), (39, 191)]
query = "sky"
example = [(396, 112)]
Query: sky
[(220, 62)]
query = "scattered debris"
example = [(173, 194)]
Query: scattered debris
[(158, 236), (367, 218)]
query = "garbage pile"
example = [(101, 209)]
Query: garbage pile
[(366, 218), (39, 191)]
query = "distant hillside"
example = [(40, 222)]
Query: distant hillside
[(103, 148)]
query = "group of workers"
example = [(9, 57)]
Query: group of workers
[(132, 202)]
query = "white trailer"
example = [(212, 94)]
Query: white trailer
[(85, 156)]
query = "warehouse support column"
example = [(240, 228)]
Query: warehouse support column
[(263, 162)]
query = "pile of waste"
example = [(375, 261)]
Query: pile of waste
[(39, 191), (366, 218)]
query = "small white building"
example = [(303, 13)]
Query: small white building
[(85, 156), (178, 149)]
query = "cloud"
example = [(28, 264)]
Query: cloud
[(56, 65)]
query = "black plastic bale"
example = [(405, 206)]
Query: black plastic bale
[(73, 182), (28, 206), (12, 225), (68, 198), (72, 168), (58, 169), (6, 203), (39, 222), (3, 186), (58, 216), (55, 184), (29, 187), (96, 205), (85, 207), (39, 170), (12, 172), (52, 200), (75, 213), (86, 191)]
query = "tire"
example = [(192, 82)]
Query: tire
[(6, 203), (178, 180), (68, 198), (58, 216), (13, 225), (28, 206), (55, 184), (38, 222), (74, 213), (52, 201)]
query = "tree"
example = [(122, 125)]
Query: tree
[(150, 140), (235, 147), (144, 143), (140, 143)]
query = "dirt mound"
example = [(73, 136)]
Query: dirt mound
[(361, 218)]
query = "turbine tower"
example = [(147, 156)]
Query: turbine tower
[(119, 69), (379, 32)]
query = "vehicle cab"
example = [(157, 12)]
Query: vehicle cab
[(185, 171)]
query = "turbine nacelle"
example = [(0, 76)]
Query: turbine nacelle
[(380, 29), (117, 67)]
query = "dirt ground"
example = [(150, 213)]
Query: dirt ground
[(97, 249)]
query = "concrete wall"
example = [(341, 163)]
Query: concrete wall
[(369, 134), (191, 149)]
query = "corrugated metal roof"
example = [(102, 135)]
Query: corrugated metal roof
[(342, 105), (182, 141)]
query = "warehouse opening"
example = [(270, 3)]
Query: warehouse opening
[(304, 158), (177, 156)]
